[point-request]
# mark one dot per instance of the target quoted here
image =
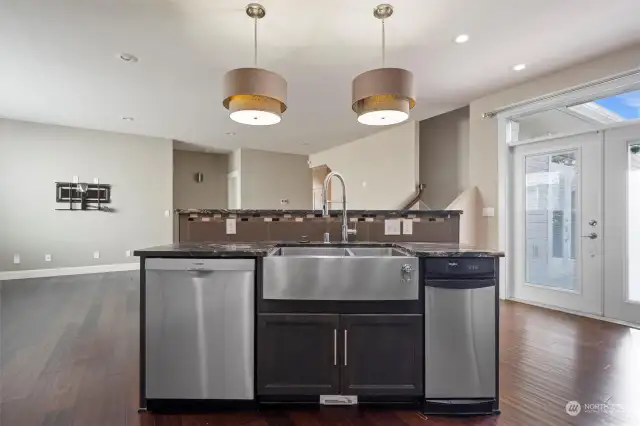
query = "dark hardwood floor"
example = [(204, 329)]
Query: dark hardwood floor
[(69, 356)]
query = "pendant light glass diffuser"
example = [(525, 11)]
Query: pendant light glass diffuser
[(383, 96), (255, 96)]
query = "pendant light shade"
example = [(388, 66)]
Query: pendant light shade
[(383, 96), (255, 96)]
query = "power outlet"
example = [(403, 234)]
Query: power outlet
[(96, 255), (167, 213), (47, 258), (231, 226), (127, 253), (76, 179), (16, 259), (488, 212), (392, 227), (407, 226)]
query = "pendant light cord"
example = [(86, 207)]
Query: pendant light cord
[(383, 44), (255, 42)]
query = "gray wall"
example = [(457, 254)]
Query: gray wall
[(211, 193), (34, 156), (234, 160), (267, 177), (444, 157)]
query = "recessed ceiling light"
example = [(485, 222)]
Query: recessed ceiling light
[(128, 57), (127, 118), (462, 38), (519, 67)]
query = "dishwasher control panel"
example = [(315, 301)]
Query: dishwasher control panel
[(459, 267)]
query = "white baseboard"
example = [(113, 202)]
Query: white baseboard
[(581, 314), (77, 270)]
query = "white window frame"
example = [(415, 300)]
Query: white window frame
[(608, 86)]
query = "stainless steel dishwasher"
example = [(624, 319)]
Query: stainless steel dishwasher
[(461, 335), (200, 329)]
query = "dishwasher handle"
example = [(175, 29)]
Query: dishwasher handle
[(460, 284), (180, 264)]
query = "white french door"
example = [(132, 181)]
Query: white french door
[(622, 224), (576, 223), (557, 223)]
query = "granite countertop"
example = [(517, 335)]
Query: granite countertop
[(245, 212), (261, 249)]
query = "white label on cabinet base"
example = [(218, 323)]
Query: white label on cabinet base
[(338, 399)]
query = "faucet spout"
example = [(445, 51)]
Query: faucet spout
[(325, 204)]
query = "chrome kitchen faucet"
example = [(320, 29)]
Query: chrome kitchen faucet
[(325, 205)]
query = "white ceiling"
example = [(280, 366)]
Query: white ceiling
[(58, 59)]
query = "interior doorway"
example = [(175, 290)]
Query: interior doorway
[(319, 173)]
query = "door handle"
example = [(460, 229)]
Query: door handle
[(335, 347), (591, 236), (345, 347)]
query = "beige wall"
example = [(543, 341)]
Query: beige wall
[(444, 157), (483, 153), (268, 177), (381, 170), (34, 156), (211, 193)]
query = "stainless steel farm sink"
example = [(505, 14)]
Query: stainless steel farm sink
[(340, 273), (312, 251), (376, 251)]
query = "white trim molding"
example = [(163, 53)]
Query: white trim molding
[(76, 270), (608, 86)]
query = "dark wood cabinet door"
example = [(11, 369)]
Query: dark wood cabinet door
[(382, 355), (297, 354)]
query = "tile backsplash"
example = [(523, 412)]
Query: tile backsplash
[(268, 225)]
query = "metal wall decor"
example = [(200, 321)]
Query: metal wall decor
[(82, 196)]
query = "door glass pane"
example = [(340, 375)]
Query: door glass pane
[(550, 229), (633, 228)]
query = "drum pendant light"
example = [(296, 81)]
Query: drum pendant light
[(255, 96), (383, 96)]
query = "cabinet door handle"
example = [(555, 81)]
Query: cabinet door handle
[(335, 346), (345, 347)]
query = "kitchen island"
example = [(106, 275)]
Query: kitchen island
[(242, 324)]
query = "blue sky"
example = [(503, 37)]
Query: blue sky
[(626, 105)]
